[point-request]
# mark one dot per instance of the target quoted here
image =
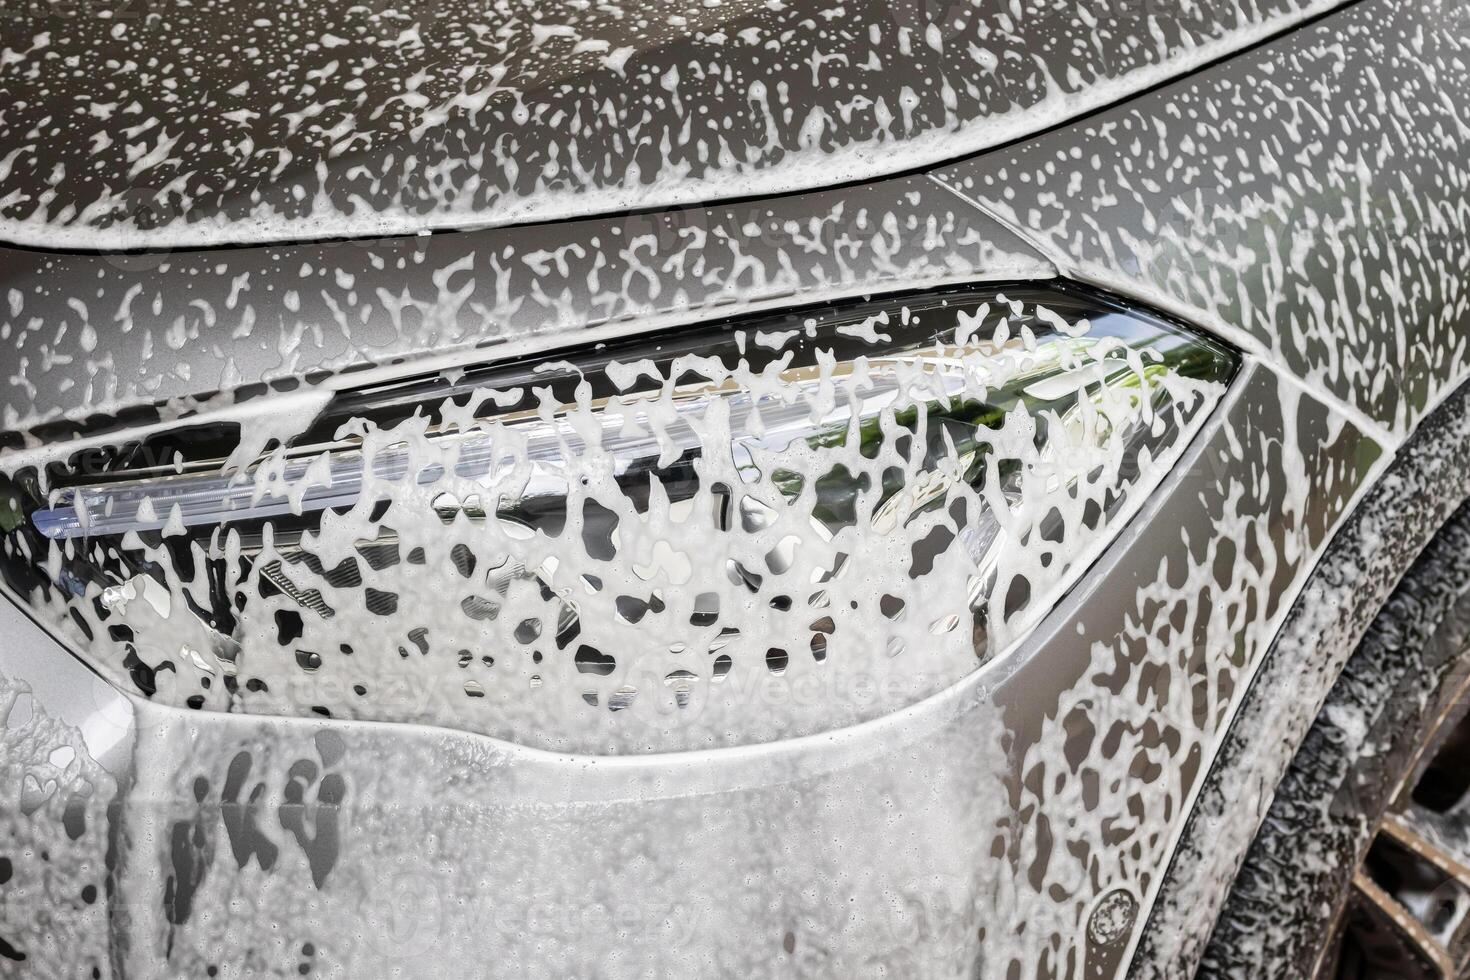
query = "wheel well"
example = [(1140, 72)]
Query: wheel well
[(1358, 571)]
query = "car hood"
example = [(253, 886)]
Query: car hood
[(196, 123)]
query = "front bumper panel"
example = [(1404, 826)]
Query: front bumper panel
[(977, 827)]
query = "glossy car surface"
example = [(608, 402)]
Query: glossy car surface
[(217, 215)]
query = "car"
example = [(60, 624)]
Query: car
[(782, 488)]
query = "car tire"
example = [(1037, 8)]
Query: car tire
[(1314, 894)]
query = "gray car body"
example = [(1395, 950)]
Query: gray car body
[(1305, 199)]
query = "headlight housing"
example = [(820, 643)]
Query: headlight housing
[(728, 534)]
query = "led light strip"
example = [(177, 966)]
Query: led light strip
[(175, 503)]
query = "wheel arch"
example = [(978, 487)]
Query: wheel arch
[(1358, 571)]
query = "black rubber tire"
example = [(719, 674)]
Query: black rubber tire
[(1285, 899)]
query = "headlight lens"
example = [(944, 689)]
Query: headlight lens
[(728, 534)]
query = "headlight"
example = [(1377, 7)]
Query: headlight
[(724, 535)]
